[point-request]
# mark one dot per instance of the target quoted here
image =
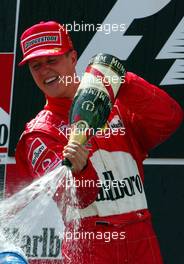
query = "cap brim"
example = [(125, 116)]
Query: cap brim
[(41, 53)]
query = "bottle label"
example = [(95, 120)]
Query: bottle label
[(90, 109)]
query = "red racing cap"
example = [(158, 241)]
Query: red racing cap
[(44, 39)]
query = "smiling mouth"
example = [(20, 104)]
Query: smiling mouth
[(51, 80)]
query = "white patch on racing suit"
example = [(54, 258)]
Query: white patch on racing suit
[(121, 185)]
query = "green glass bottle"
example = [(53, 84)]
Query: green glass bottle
[(95, 96)]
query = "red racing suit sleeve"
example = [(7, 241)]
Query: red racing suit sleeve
[(152, 113), (37, 154)]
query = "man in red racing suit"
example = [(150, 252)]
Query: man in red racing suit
[(115, 224)]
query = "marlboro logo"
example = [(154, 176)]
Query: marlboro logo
[(36, 150), (45, 245)]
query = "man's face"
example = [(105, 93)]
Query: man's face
[(54, 75)]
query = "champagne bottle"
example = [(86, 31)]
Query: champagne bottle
[(95, 97)]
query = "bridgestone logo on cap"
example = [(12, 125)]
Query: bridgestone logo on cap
[(42, 39), (32, 42)]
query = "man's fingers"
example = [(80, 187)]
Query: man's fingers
[(77, 161), (72, 148), (77, 155)]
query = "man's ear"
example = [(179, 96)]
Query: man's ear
[(74, 57)]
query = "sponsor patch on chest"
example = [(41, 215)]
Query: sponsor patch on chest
[(116, 122)]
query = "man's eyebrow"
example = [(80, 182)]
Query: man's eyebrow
[(33, 61)]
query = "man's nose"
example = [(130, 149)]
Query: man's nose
[(44, 69)]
